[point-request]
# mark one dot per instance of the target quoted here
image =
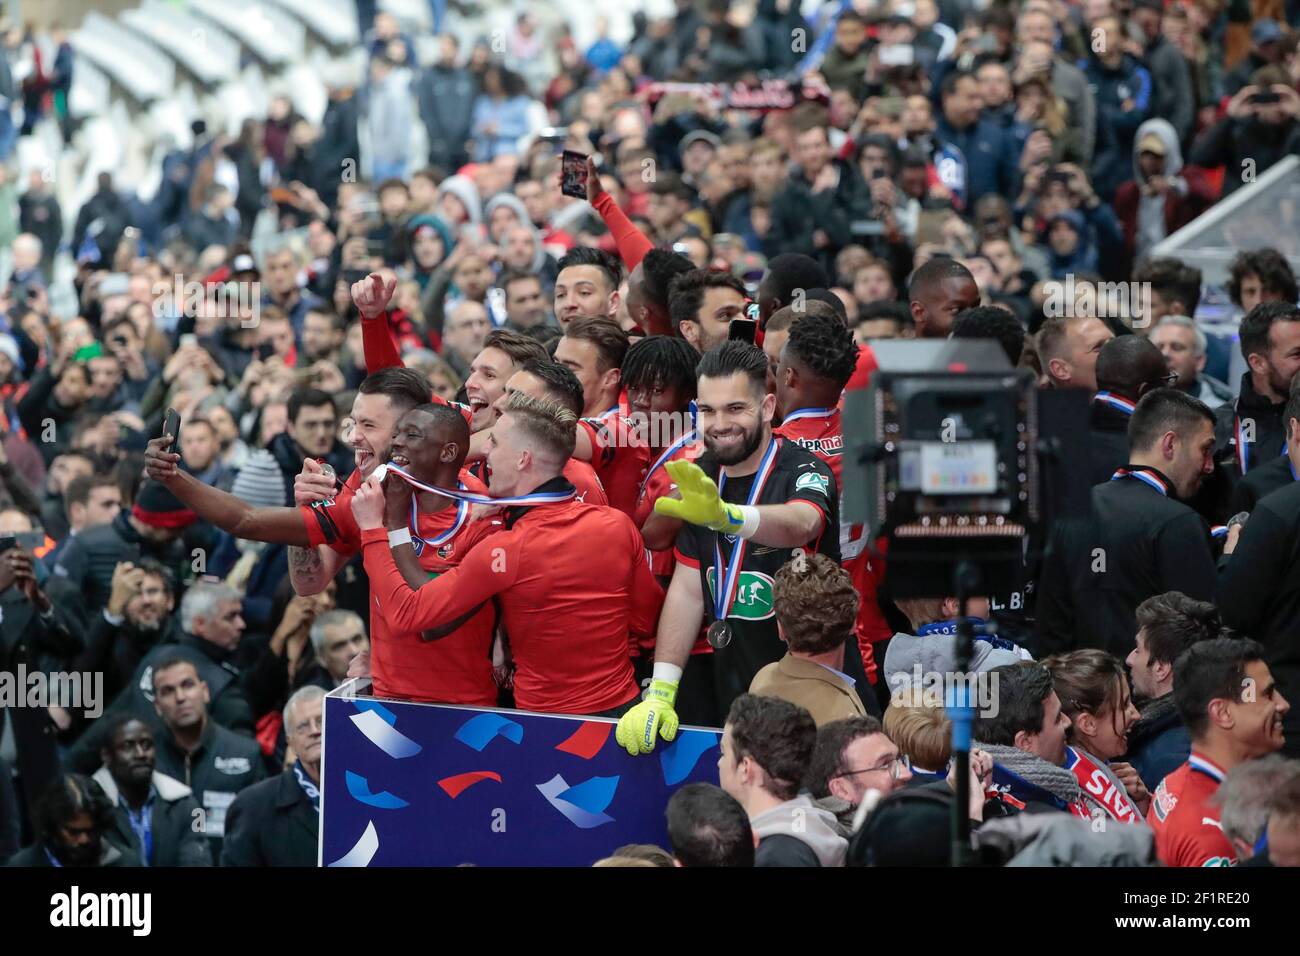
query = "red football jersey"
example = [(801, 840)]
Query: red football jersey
[(456, 669), (655, 485), (1186, 821), (620, 457), (819, 430), (574, 590)]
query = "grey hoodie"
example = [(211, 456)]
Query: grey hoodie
[(806, 822), (463, 188), (935, 654), (1151, 209), (515, 203)]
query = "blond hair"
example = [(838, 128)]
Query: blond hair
[(919, 728), (550, 427)]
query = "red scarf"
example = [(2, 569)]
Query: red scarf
[(1095, 782)]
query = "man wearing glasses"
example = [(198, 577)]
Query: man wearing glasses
[(855, 756), (275, 822)]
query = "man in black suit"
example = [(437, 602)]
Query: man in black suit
[(276, 822), (1139, 538), (1128, 367)]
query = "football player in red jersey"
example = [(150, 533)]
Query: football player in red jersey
[(556, 383), (450, 664), (1228, 699), (593, 348), (571, 579), (814, 364)]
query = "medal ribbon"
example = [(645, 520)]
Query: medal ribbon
[(725, 593), (808, 413), (419, 544), (668, 453), (1144, 475), (536, 498), (1117, 402)]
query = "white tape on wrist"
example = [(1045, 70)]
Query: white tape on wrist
[(750, 526), (669, 672), (401, 536)]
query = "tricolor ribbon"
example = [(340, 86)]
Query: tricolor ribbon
[(725, 590), (536, 498), (808, 413), (1146, 475), (419, 544), (1243, 457), (667, 454), (1199, 763), (1117, 402)]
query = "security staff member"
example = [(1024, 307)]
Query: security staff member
[(1127, 368), (571, 579), (1278, 472), (1139, 538), (748, 503)]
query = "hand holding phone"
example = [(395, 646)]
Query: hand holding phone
[(172, 426), (573, 174)]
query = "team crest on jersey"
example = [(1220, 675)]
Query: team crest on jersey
[(444, 552), (753, 596), (1165, 801), (812, 480)]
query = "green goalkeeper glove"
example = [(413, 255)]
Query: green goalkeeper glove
[(654, 716)]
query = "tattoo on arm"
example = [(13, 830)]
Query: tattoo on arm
[(305, 569)]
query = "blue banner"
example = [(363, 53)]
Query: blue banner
[(408, 784)]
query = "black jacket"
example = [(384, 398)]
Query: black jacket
[(175, 840), (1232, 142), (83, 575), (1261, 482), (1158, 744), (37, 643), (110, 855), (272, 823), (1134, 543), (222, 766), (228, 704), (288, 454), (1259, 593), (445, 98), (116, 650), (38, 405), (1269, 429), (798, 212), (1108, 438)]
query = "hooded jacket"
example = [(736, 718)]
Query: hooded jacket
[(448, 238), (175, 841), (445, 96), (908, 654), (516, 204), (463, 188), (798, 821), (1148, 219), (1084, 256)]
